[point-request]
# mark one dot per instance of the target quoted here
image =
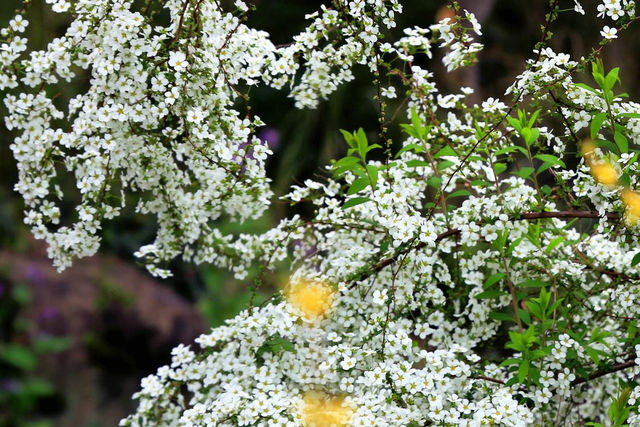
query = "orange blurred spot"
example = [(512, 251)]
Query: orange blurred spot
[(445, 12)]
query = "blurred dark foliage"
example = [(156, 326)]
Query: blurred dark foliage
[(85, 336), (102, 311)]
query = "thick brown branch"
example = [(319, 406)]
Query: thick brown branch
[(615, 368), (569, 214), (597, 374), (527, 215)]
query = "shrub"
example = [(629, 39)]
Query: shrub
[(485, 271)]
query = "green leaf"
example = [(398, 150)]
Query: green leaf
[(275, 344), (480, 183), (372, 146), (444, 165), (524, 173), (531, 283), (18, 356), (593, 354), (501, 317), (544, 167), (621, 141), (603, 143), (533, 118), (625, 179), (507, 149), (348, 137), (346, 164), (499, 168), (513, 245), (410, 130), (586, 87), (490, 294), (555, 242), (501, 241), (599, 78), (361, 137), (635, 260), (38, 387), (596, 124), (550, 158), (358, 185), (51, 344), (523, 371), (524, 315), (434, 181), (416, 163), (21, 294), (629, 115), (415, 119), (346, 161), (410, 147), (514, 123), (354, 201), (445, 151), (460, 193), (494, 279), (508, 362), (612, 78), (373, 175)]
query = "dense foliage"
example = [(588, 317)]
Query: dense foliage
[(482, 271)]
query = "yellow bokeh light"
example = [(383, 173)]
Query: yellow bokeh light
[(322, 410), (588, 149), (605, 173), (631, 200), (311, 298)]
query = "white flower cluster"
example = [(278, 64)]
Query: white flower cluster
[(414, 271), (230, 388), (333, 42), (157, 119), (613, 9), (245, 375)]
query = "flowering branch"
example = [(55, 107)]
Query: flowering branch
[(526, 215)]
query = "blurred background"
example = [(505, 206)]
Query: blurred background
[(73, 346)]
